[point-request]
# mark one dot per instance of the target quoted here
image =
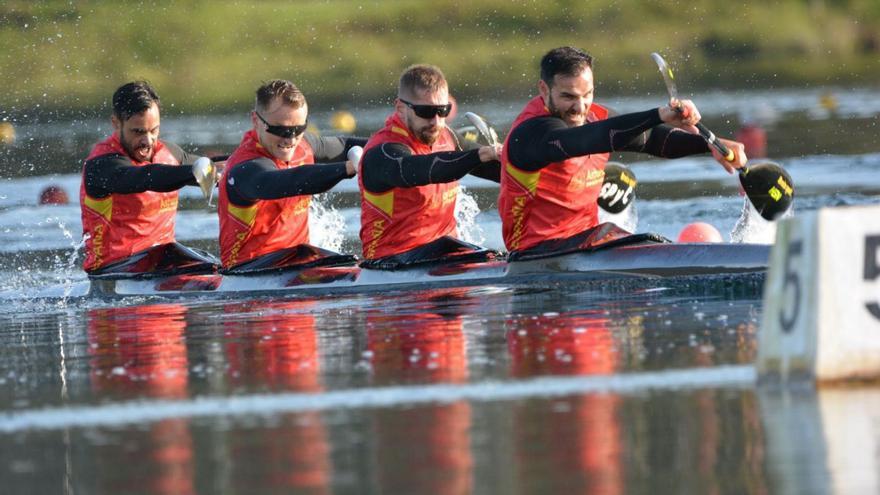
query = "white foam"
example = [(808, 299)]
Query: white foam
[(149, 411)]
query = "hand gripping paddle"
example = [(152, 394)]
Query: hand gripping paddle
[(767, 185)]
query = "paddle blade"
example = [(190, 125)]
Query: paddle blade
[(769, 187), (485, 130), (618, 188), (206, 175)]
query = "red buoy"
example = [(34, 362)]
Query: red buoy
[(53, 195), (699, 232)]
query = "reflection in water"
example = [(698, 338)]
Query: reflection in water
[(663, 438), (277, 349), (140, 351), (424, 449), (578, 450), (609, 444)]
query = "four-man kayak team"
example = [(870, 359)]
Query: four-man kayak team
[(551, 169)]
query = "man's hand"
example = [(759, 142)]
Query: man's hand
[(739, 152), (681, 113), (490, 153)]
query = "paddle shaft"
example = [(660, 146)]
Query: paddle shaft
[(709, 136)]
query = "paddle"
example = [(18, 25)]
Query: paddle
[(618, 188), (485, 130), (767, 185), (206, 176)]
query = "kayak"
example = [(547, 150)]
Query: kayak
[(647, 260)]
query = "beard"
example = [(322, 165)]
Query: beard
[(426, 134), (572, 118), (138, 152)]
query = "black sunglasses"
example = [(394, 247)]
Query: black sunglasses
[(284, 131), (429, 111)]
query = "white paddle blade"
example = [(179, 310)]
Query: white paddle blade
[(206, 176), (487, 132), (354, 155)]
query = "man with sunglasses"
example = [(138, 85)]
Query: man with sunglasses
[(410, 170), (268, 183), (554, 157), (129, 192)]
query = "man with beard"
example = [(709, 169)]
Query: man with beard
[(268, 183), (554, 157), (129, 192), (410, 171)]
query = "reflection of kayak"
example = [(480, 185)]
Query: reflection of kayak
[(638, 259)]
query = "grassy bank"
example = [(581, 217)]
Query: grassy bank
[(209, 56)]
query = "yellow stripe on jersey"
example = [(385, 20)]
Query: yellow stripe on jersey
[(383, 201)]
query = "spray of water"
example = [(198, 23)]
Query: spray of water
[(466, 211), (752, 228), (326, 223), (628, 219)]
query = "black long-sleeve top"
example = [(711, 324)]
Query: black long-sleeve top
[(540, 141), (114, 173), (260, 179), (391, 165)]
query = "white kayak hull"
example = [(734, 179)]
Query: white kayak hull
[(639, 261)]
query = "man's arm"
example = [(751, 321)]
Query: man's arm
[(666, 141), (391, 165), (114, 173), (540, 141), (333, 148), (260, 179)]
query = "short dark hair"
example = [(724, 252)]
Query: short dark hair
[(279, 88), (133, 98), (422, 77), (565, 60)]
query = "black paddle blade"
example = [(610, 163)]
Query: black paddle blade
[(618, 188), (769, 187)]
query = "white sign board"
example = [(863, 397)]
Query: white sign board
[(822, 297)]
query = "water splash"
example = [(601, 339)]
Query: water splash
[(326, 223), (466, 211), (67, 268), (628, 219), (752, 228)]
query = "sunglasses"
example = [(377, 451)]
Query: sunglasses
[(429, 111), (283, 131)]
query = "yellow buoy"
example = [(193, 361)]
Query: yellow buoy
[(7, 133), (343, 121), (828, 101)]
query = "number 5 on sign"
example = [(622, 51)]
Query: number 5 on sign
[(822, 297)]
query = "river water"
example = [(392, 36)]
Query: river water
[(638, 387)]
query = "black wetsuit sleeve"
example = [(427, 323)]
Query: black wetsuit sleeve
[(668, 142), (259, 179), (333, 148), (391, 165), (182, 156), (114, 173), (540, 141)]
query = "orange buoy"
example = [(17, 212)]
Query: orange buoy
[(53, 195), (699, 232)]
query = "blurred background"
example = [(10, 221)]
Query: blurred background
[(60, 62)]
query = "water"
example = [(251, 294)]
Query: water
[(558, 388)]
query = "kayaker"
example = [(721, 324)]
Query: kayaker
[(410, 171), (554, 157), (129, 190), (268, 182)]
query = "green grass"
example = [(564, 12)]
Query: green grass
[(210, 56)]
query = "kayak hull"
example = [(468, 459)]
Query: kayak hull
[(651, 261)]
